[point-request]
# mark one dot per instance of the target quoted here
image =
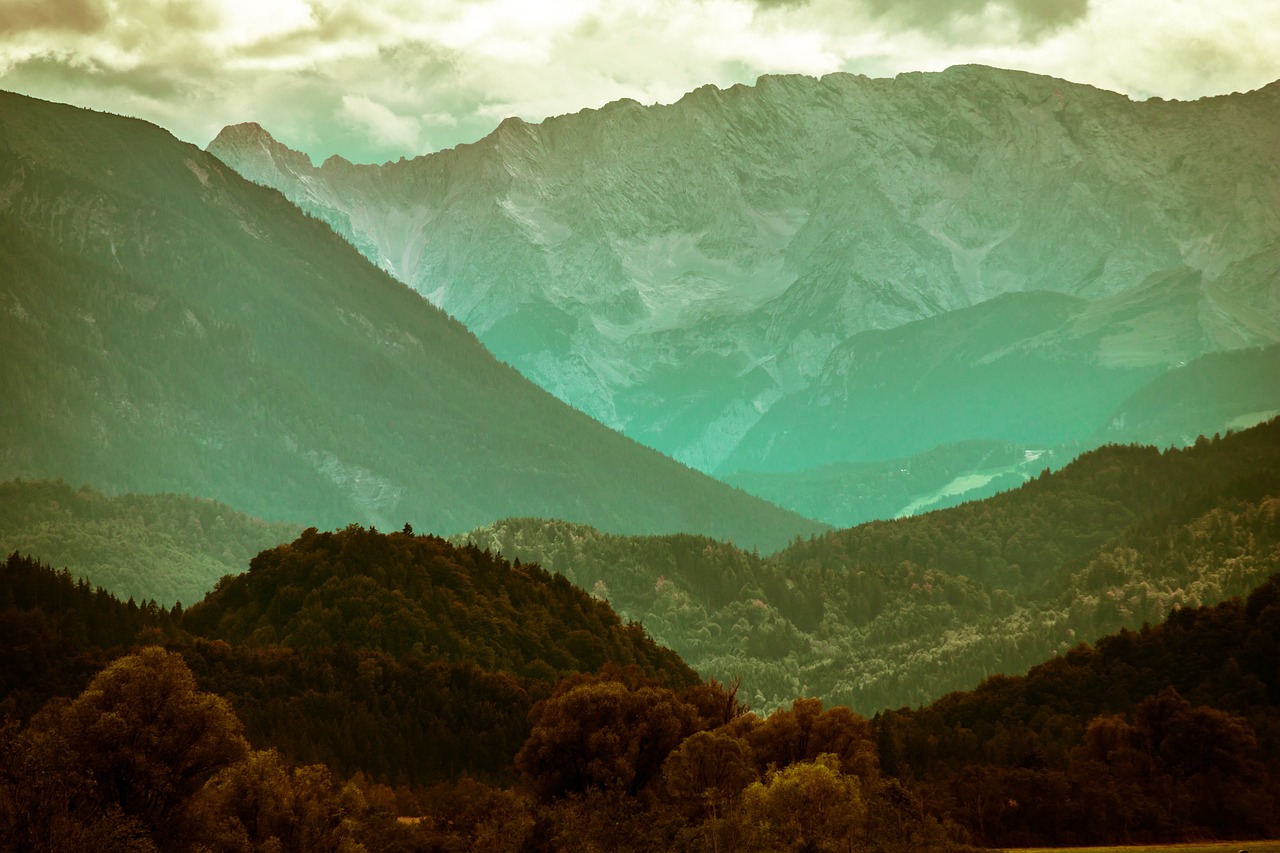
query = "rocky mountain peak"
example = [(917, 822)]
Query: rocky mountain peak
[(257, 155), (677, 270)]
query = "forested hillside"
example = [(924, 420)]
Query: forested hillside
[(420, 596), (1167, 733), (900, 612), (169, 548), (407, 658), (205, 746), (170, 327)]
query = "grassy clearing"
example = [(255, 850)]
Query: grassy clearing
[(1195, 847)]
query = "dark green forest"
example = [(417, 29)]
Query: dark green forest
[(900, 612), (1163, 734), (136, 727), (129, 727)]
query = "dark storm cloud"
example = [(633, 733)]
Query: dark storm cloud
[(81, 16), (52, 68), (1034, 17)]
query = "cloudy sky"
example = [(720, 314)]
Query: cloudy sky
[(378, 79)]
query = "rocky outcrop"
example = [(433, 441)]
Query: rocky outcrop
[(677, 270)]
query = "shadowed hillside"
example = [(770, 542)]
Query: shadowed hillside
[(171, 327)]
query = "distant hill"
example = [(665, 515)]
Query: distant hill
[(704, 275), (899, 612), (170, 548), (1038, 369), (846, 494), (1214, 393), (171, 327)]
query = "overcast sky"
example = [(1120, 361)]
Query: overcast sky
[(378, 79)]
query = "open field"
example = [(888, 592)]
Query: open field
[(1195, 847)]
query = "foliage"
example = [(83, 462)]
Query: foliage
[(410, 595), (1163, 734), (147, 737), (807, 806), (900, 612), (604, 735), (171, 548)]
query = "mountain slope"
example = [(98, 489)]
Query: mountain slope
[(1167, 733), (1037, 368), (1214, 393), (680, 271), (846, 494), (172, 327), (169, 548), (899, 612)]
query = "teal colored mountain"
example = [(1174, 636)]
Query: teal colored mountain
[(171, 327), (708, 275)]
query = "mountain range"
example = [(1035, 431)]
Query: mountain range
[(171, 327), (806, 272), (862, 299)]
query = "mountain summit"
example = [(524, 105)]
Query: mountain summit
[(678, 270)]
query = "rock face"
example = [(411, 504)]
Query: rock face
[(677, 271)]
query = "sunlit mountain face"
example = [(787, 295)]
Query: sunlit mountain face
[(806, 272)]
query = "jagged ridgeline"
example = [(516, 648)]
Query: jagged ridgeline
[(899, 612), (170, 327), (809, 271)]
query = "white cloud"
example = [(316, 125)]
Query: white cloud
[(375, 79), (382, 125)]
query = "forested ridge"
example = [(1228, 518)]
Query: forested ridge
[(1169, 733), (420, 596), (903, 611), (172, 548), (175, 741)]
